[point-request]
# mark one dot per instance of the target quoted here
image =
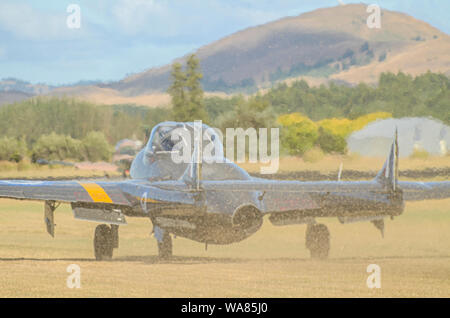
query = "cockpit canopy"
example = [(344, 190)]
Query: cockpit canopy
[(155, 161), (166, 135)]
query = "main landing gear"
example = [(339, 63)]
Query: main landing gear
[(106, 238), (165, 246), (318, 240), (164, 242)]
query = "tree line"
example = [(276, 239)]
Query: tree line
[(400, 94), (311, 117), (54, 128), (94, 147)]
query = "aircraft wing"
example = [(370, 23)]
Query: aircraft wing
[(416, 191), (279, 196), (412, 191), (312, 195), (64, 191)]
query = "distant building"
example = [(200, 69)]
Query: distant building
[(413, 133)]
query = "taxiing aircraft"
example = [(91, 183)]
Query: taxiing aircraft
[(217, 202)]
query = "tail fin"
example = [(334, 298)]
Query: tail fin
[(389, 174)]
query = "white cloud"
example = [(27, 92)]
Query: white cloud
[(27, 22), (189, 21)]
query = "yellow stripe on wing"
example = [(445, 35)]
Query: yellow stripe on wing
[(96, 192)]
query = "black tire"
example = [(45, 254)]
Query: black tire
[(318, 241), (103, 243), (165, 247)]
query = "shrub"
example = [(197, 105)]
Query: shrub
[(344, 127), (299, 133), (57, 147), (12, 149), (337, 126), (330, 142), (96, 147)]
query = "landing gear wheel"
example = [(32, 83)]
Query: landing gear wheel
[(318, 241), (165, 246), (103, 242)]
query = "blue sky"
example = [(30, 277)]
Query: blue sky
[(128, 36)]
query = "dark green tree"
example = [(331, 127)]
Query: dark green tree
[(176, 91), (194, 88), (330, 142), (187, 93)]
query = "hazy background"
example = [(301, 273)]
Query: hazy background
[(127, 36)]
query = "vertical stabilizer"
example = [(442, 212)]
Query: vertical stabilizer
[(388, 175)]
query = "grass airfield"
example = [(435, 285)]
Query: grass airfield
[(414, 258)]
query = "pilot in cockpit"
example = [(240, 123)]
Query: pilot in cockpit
[(165, 136), (161, 139)]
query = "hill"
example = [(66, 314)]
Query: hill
[(325, 45), (330, 43), (14, 84), (10, 97)]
